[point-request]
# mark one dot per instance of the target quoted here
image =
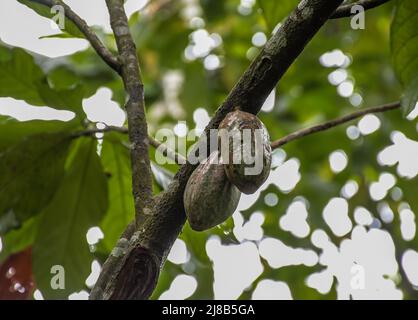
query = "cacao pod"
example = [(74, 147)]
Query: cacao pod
[(245, 150), (209, 197)]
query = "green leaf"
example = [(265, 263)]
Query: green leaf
[(274, 11), (65, 99), (63, 77), (31, 172), (117, 164), (5, 54), (404, 45), (69, 28), (20, 76), (410, 96), (22, 79), (58, 36), (20, 239), (80, 203), (13, 131)]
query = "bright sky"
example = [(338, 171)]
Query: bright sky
[(365, 254)]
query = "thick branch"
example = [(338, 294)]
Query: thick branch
[(152, 242), (333, 123), (345, 10), (90, 35), (135, 108)]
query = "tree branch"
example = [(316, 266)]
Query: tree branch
[(135, 108), (161, 147), (91, 132), (166, 151), (333, 123), (133, 273), (171, 154), (90, 35), (345, 10)]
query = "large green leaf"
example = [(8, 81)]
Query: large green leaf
[(70, 29), (404, 44), (196, 89), (80, 203), (22, 79), (117, 164), (13, 131), (30, 173), (63, 99)]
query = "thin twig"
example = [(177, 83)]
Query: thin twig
[(90, 35), (159, 146), (171, 154), (345, 10), (166, 151), (333, 123), (91, 132)]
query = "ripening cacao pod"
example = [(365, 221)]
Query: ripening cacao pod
[(209, 197), (245, 150)]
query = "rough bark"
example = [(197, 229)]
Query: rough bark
[(135, 108)]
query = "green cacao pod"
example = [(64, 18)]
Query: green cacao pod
[(209, 197), (245, 150)]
